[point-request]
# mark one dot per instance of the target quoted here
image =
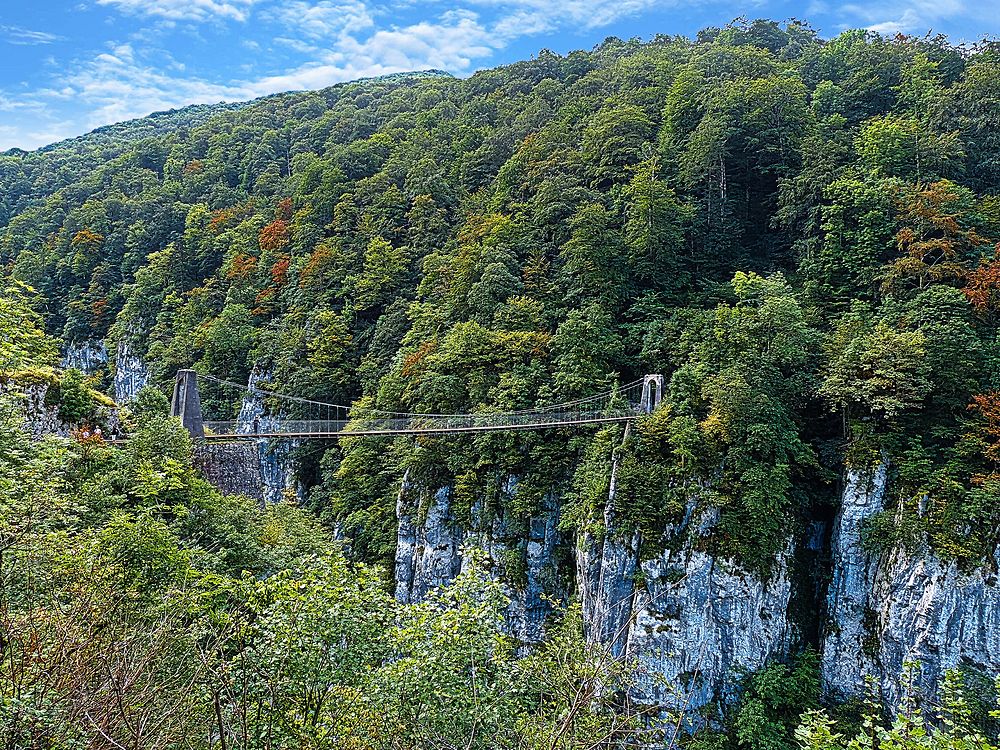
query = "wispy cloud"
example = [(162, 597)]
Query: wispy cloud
[(323, 19), (518, 18), (185, 10), (908, 22), (335, 41), (118, 85), (36, 137), (125, 82), (17, 35), (12, 104), (906, 17), (285, 45)]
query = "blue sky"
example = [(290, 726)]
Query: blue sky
[(68, 66)]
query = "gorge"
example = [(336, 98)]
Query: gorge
[(801, 234)]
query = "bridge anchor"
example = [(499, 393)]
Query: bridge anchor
[(186, 403)]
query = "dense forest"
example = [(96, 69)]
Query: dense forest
[(800, 234)]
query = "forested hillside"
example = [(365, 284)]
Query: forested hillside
[(800, 234)]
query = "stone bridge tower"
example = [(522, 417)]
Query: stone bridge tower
[(652, 393), (186, 403)]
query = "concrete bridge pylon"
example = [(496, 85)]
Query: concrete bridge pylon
[(186, 403)]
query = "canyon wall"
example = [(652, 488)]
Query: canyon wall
[(886, 609), (698, 623)]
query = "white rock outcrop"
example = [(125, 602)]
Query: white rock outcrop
[(885, 610), (86, 356), (130, 373)]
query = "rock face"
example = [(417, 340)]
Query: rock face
[(428, 551), (701, 622), (42, 418), (681, 615), (432, 549), (606, 573), (130, 373), (697, 622), (276, 464), (538, 577), (846, 657), (687, 619), (86, 356), (885, 610)]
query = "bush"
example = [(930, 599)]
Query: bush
[(76, 400)]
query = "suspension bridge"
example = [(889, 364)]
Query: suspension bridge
[(316, 419)]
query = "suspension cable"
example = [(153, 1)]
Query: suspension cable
[(400, 415)]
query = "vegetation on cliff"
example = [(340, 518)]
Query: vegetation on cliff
[(800, 234)]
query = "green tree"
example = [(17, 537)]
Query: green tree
[(23, 341), (586, 347), (875, 369)]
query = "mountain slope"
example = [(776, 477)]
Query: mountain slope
[(798, 233)]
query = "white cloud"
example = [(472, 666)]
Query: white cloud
[(124, 82), (908, 22), (8, 104), (19, 36), (908, 17), (527, 17), (523, 23), (333, 41), (297, 45), (185, 10), (326, 18), (452, 43), (12, 136), (116, 86)]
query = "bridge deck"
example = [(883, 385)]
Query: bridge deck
[(343, 428), (316, 419)]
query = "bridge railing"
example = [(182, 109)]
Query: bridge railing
[(368, 425), (623, 402)]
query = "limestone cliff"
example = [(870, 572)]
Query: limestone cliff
[(682, 615), (432, 549), (41, 418), (41, 415), (130, 373), (696, 620), (86, 356), (699, 621), (687, 619), (886, 609), (276, 463)]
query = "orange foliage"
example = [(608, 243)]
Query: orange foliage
[(221, 218), (284, 209), (193, 167), (87, 435), (226, 216), (279, 271), (982, 285), (242, 266), (412, 361), (316, 266), (263, 301), (87, 238), (275, 235), (933, 240), (98, 309), (988, 406), (540, 343)]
